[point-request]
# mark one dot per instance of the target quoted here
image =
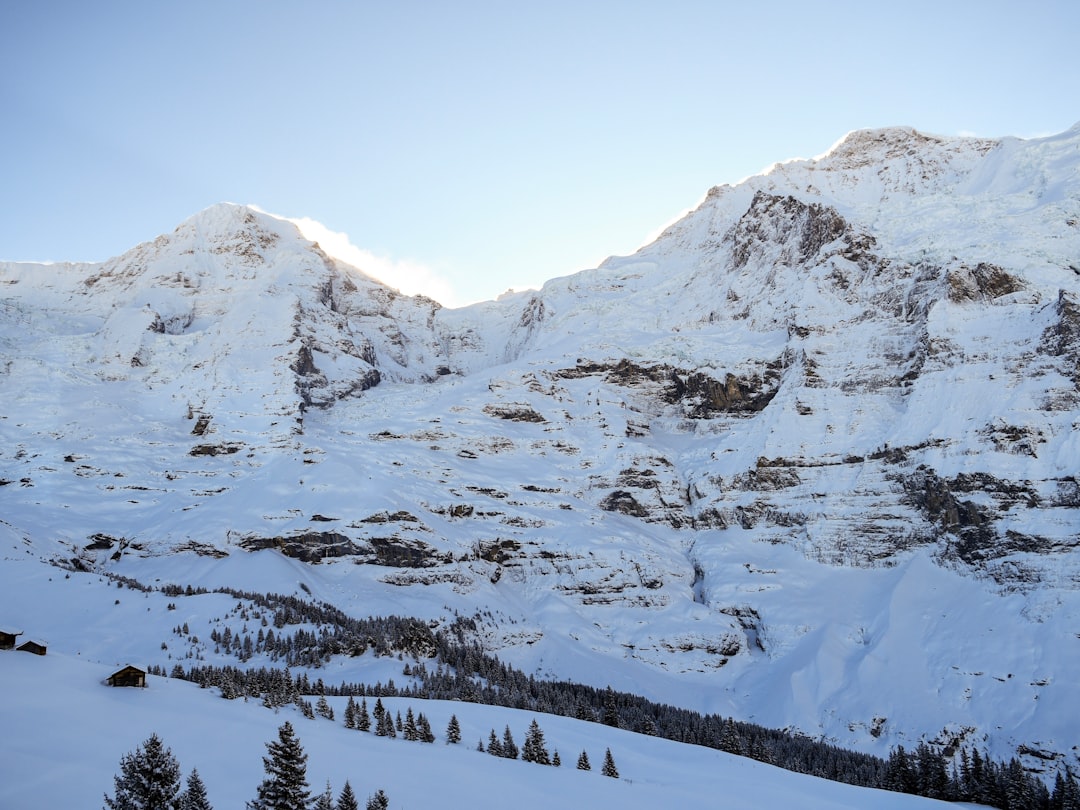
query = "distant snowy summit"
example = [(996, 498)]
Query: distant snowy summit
[(834, 396)]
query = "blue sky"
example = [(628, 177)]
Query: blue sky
[(469, 147)]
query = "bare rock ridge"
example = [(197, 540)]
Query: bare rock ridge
[(770, 461)]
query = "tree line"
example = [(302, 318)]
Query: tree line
[(451, 665)]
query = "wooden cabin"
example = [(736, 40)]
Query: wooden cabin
[(7, 638), (32, 647), (128, 676)]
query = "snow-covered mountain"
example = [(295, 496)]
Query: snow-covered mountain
[(808, 459)]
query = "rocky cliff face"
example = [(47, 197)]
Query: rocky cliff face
[(809, 458)]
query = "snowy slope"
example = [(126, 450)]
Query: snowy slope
[(74, 730), (808, 459)]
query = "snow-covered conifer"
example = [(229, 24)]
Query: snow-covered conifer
[(609, 768), (285, 786), (149, 779), (194, 795), (347, 799), (453, 730)]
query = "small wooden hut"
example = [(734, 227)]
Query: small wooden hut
[(32, 647), (7, 638), (128, 676)]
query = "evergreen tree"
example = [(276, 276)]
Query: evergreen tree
[(194, 795), (323, 709), (350, 713), (494, 746), (480, 746), (398, 724), (424, 729), (555, 759), (730, 741), (534, 749), (611, 711), (285, 786), (509, 747), (347, 799), (410, 731), (609, 768), (385, 726), (363, 719), (326, 799), (149, 779), (453, 731), (583, 762), (378, 802)]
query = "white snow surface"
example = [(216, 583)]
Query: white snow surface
[(809, 459)]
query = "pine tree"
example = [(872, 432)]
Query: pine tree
[(363, 719), (555, 759), (385, 726), (609, 768), (583, 762), (509, 747), (424, 729), (285, 787), (494, 746), (347, 799), (326, 799), (398, 724), (611, 711), (410, 731), (378, 802), (194, 795), (534, 749), (453, 731), (323, 709), (350, 713), (149, 779)]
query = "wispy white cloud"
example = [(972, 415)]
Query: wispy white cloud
[(408, 276)]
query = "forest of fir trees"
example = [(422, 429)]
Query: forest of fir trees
[(449, 664)]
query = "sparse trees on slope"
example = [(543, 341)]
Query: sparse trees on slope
[(285, 786), (583, 762), (149, 779)]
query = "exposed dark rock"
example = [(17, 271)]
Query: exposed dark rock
[(622, 501), (1062, 339), (202, 549), (101, 542), (497, 551), (702, 395), (514, 413), (214, 449), (396, 517), (202, 425), (309, 547), (984, 282), (802, 230), (400, 552)]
